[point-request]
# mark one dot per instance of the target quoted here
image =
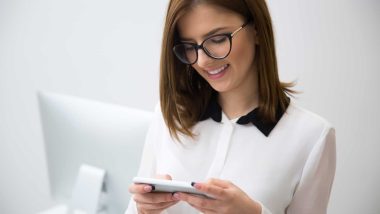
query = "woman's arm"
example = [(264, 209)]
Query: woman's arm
[(313, 191)]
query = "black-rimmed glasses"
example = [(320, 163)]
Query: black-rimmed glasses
[(216, 46)]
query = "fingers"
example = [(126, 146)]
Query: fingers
[(139, 188), (211, 190), (152, 198), (144, 188), (214, 187), (146, 200), (142, 193), (200, 203), (159, 206)]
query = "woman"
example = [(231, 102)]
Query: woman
[(225, 120)]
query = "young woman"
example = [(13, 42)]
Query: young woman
[(225, 121)]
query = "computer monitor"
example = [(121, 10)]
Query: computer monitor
[(80, 131)]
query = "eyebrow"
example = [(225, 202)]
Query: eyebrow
[(207, 34)]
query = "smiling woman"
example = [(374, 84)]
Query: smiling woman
[(190, 21), (226, 122)]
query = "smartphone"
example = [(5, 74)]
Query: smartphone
[(170, 186)]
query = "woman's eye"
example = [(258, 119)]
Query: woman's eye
[(188, 49), (219, 39)]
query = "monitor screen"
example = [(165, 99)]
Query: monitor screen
[(79, 131)]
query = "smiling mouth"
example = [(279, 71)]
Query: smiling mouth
[(218, 70)]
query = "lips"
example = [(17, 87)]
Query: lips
[(218, 72)]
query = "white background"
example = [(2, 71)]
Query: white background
[(109, 51)]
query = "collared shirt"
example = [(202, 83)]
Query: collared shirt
[(289, 171), (214, 111)]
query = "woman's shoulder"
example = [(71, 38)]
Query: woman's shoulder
[(302, 119)]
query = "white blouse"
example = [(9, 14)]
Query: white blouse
[(290, 171)]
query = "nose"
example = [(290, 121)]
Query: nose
[(203, 58)]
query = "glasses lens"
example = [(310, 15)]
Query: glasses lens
[(218, 46), (186, 53)]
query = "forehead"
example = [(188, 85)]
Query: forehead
[(203, 18)]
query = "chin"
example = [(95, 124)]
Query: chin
[(220, 88)]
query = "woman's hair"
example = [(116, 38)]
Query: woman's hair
[(185, 95)]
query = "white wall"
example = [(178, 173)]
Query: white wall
[(332, 47), (104, 50), (109, 51)]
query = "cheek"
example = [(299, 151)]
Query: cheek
[(242, 54)]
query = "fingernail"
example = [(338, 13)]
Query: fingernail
[(148, 188), (197, 185), (176, 196)]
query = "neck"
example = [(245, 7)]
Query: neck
[(241, 100)]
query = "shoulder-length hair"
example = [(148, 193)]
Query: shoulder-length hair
[(184, 95)]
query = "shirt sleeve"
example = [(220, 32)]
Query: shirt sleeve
[(313, 190), (148, 159)]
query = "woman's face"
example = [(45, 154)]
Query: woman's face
[(237, 69)]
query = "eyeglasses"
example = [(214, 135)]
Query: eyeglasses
[(216, 46)]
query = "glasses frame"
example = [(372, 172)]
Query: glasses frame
[(197, 47)]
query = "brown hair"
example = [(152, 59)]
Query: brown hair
[(184, 95)]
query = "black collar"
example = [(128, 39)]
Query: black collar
[(215, 112)]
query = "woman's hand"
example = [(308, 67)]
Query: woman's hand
[(151, 203), (228, 198)]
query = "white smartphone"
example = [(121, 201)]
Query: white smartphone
[(171, 186)]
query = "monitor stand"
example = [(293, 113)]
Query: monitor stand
[(86, 197)]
